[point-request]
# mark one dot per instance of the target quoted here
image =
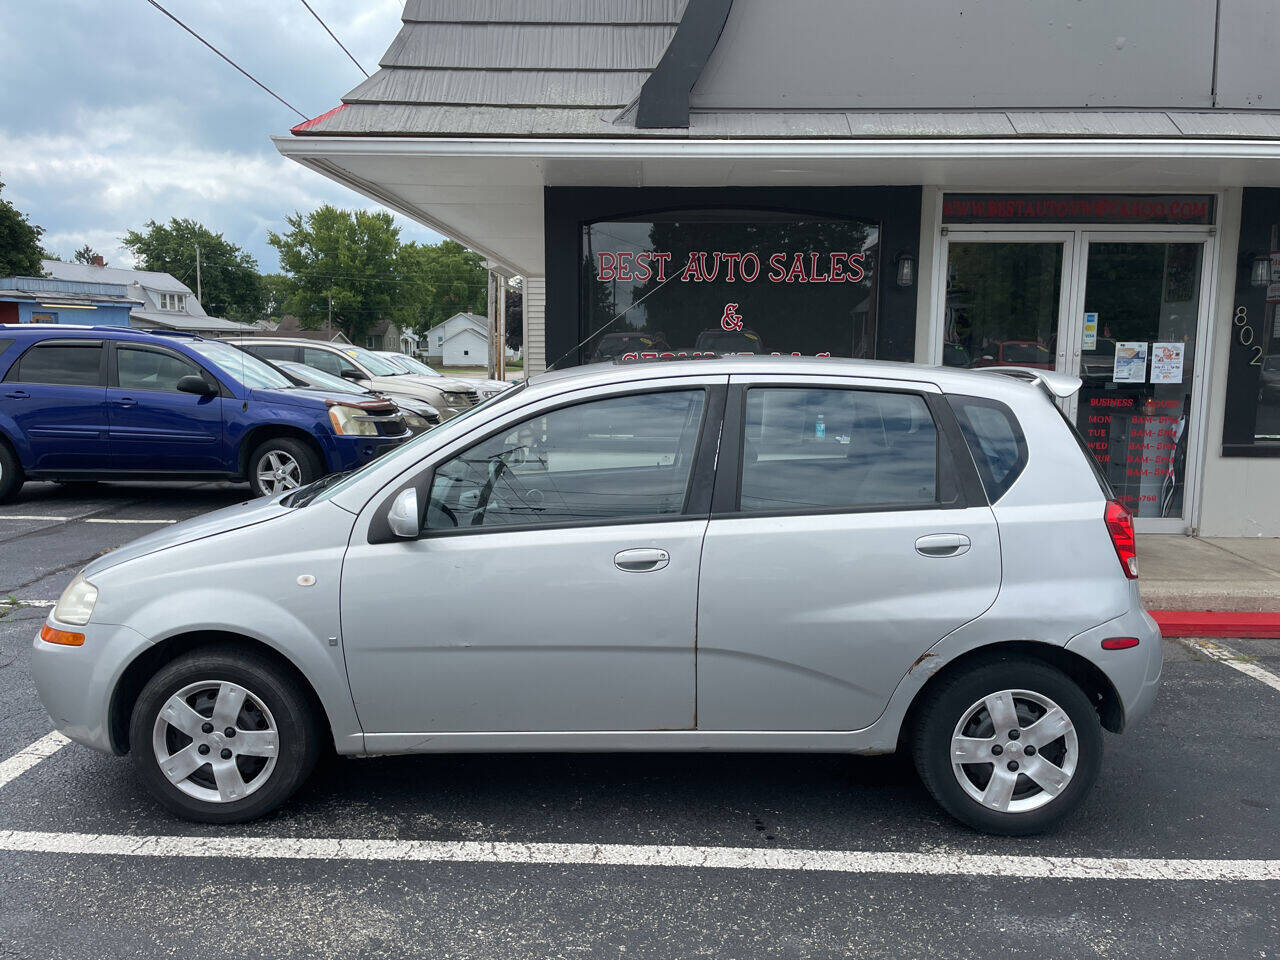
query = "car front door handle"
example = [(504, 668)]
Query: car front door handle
[(126, 402), (18, 395), (641, 560), (943, 545)]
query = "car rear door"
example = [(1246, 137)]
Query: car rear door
[(153, 426), (56, 395), (849, 533)]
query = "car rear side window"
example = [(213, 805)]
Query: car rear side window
[(64, 364), (995, 439), (272, 351), (814, 448)]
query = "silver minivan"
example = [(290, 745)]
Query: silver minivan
[(725, 554)]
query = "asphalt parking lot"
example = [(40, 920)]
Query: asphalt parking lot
[(1177, 852)]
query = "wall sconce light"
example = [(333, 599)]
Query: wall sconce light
[(1260, 274), (906, 270)]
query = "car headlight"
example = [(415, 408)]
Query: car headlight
[(351, 422), (75, 606), (414, 422)]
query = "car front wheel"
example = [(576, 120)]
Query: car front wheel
[(282, 464), (10, 474), (223, 736), (1009, 746)]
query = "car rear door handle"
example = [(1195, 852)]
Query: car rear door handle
[(641, 560), (943, 545), (18, 395)]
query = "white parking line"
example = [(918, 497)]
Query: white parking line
[(643, 855), (27, 603), (1234, 660), (28, 757), (32, 516)]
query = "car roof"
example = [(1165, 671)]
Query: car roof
[(65, 331), (1016, 383), (292, 342)]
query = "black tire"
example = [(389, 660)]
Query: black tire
[(952, 700), (290, 714), (308, 461), (11, 475)]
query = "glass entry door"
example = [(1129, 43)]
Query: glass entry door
[(1137, 347), (1005, 295)]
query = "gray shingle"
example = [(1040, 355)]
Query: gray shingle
[(561, 88), (1095, 123), (522, 46), (546, 11)]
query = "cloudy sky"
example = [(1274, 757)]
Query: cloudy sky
[(113, 115)]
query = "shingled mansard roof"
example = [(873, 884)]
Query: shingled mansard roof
[(575, 68)]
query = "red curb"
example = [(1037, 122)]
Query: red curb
[(1212, 623)]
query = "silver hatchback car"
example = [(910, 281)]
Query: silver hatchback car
[(728, 554)]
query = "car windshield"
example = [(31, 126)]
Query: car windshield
[(414, 365), (242, 365), (378, 366), (318, 378), (409, 449)]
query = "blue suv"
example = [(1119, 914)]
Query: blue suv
[(100, 403)]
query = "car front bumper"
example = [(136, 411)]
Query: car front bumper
[(76, 684), (347, 453)]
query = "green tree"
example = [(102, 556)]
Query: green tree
[(230, 283), (85, 255), (343, 263), (20, 252), (278, 290), (437, 281)]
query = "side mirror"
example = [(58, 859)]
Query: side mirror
[(351, 373), (194, 383), (404, 516)]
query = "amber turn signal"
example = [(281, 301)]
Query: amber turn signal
[(64, 637)]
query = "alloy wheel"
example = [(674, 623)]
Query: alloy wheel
[(215, 741), (277, 472), (1014, 751)]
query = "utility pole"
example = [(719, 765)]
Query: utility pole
[(199, 292), (328, 323)]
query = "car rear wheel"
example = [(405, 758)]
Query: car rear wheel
[(282, 464), (11, 477), (223, 736), (1009, 746)]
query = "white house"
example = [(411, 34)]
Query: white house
[(167, 303), (461, 341)]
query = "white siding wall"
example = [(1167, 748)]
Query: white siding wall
[(535, 338), (477, 348)]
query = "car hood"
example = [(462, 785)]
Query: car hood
[(300, 397), (209, 525)]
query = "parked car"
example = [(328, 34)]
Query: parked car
[(879, 583), (486, 388), (745, 341), (611, 346), (95, 403), (1015, 353), (450, 397), (419, 416)]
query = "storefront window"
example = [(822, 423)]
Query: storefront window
[(1251, 426), (729, 282)]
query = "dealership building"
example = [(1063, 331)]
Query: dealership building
[(1076, 185)]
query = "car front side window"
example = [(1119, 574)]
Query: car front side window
[(621, 458), (142, 369), (819, 448)]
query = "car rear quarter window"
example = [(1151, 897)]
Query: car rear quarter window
[(817, 448), (63, 364), (995, 440)]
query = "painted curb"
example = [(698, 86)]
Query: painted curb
[(1216, 623)]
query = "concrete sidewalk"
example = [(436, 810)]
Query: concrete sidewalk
[(1234, 574)]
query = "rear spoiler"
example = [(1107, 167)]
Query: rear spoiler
[(1059, 386)]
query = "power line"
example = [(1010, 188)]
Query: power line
[(228, 59), (335, 39)]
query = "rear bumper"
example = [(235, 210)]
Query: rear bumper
[(1134, 673)]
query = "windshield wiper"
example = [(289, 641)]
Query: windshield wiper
[(304, 495)]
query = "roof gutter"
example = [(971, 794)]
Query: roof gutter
[(304, 149)]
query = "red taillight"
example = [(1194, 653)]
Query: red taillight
[(1119, 643), (1120, 526)]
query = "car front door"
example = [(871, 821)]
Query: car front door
[(56, 394), (554, 584), (850, 535), (154, 427)]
